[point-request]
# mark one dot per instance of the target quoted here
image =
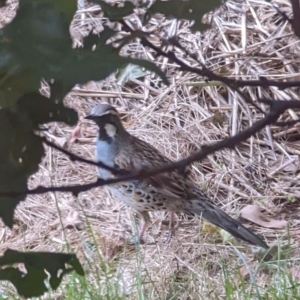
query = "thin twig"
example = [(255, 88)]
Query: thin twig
[(75, 157), (207, 73)]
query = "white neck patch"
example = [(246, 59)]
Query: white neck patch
[(111, 130)]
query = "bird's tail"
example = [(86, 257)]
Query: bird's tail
[(204, 208)]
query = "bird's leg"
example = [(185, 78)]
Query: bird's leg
[(172, 227), (139, 238), (145, 218)]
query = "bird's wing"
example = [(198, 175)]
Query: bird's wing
[(145, 157)]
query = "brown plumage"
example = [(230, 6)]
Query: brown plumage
[(171, 191)]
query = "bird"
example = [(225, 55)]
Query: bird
[(172, 191)]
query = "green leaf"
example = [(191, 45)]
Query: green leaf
[(151, 67), (38, 37), (104, 60), (291, 198), (41, 110), (129, 72), (37, 44), (34, 45), (192, 10), (113, 12), (21, 152), (67, 8), (31, 283), (9, 203), (57, 91), (14, 84)]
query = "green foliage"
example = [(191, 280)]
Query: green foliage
[(113, 12), (104, 60), (35, 46), (20, 153), (291, 198), (192, 10), (41, 110), (31, 283)]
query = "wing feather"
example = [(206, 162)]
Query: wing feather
[(144, 156)]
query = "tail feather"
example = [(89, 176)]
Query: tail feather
[(204, 208)]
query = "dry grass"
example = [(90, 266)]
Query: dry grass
[(178, 119)]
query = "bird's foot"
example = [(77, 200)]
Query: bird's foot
[(171, 233), (136, 240)]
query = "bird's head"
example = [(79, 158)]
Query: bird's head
[(107, 118)]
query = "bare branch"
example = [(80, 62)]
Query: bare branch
[(232, 83), (296, 17), (276, 109), (75, 157)]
